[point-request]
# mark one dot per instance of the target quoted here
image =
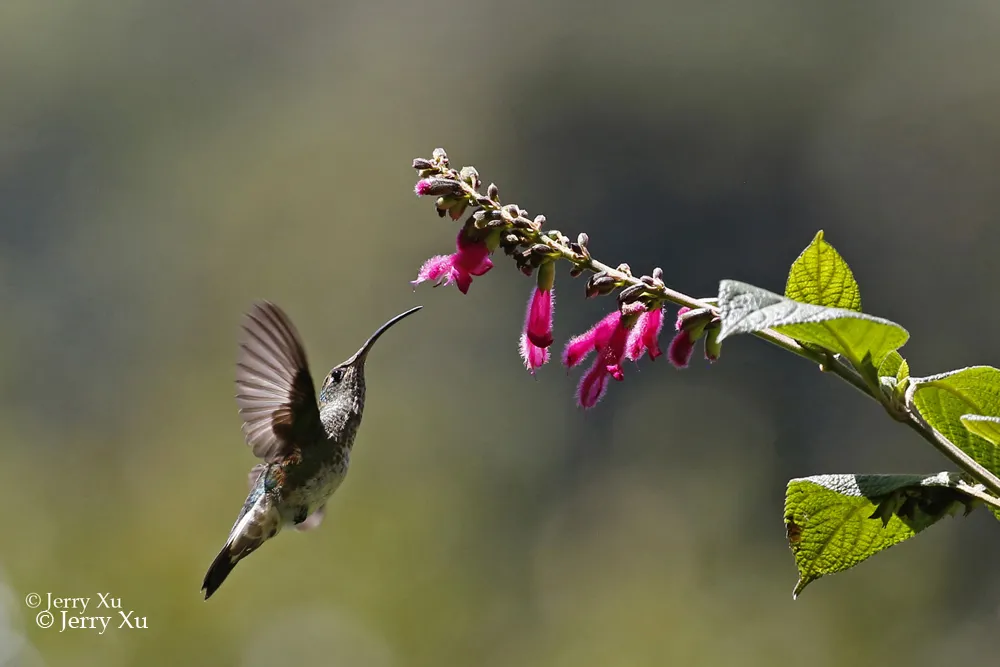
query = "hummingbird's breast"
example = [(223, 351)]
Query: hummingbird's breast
[(310, 482)]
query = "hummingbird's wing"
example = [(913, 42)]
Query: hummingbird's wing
[(255, 473), (313, 520), (275, 392)]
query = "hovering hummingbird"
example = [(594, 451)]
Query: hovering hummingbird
[(305, 444)]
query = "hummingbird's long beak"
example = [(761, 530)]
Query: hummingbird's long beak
[(360, 356)]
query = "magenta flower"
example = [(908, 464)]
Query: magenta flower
[(472, 259), (681, 348), (608, 338), (692, 326), (537, 334), (644, 336), (682, 345), (579, 347)]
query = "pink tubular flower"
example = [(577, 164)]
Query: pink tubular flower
[(681, 348), (595, 338), (538, 325), (608, 338), (644, 336), (682, 345), (472, 259), (537, 334)]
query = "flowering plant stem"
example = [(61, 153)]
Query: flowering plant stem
[(829, 363), (459, 190)]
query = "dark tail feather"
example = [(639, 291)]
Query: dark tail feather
[(221, 567)]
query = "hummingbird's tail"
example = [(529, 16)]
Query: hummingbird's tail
[(259, 521), (220, 569)]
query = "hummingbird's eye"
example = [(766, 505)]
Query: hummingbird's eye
[(337, 374)]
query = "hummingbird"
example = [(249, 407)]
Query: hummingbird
[(305, 443)]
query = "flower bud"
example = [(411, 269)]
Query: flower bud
[(470, 176), (446, 204), (713, 348), (600, 284), (456, 211), (630, 294)]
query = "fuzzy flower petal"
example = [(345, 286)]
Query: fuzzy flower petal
[(645, 336), (680, 314), (437, 268), (472, 256), (609, 338), (534, 357), (614, 350), (463, 281), (596, 338), (423, 187), (472, 259), (680, 350), (538, 322), (593, 385)]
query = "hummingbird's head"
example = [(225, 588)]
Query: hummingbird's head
[(345, 383)]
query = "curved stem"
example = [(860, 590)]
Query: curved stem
[(947, 447)]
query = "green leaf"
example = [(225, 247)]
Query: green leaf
[(834, 522), (892, 375), (820, 276), (983, 426), (891, 365), (856, 336), (942, 400)]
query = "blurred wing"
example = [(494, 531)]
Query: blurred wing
[(274, 390), (313, 520)]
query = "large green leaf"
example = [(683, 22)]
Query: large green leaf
[(942, 400), (860, 338), (820, 276), (833, 522)]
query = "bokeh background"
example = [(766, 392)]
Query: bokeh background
[(163, 164)]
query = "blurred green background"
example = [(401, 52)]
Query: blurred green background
[(163, 164)]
